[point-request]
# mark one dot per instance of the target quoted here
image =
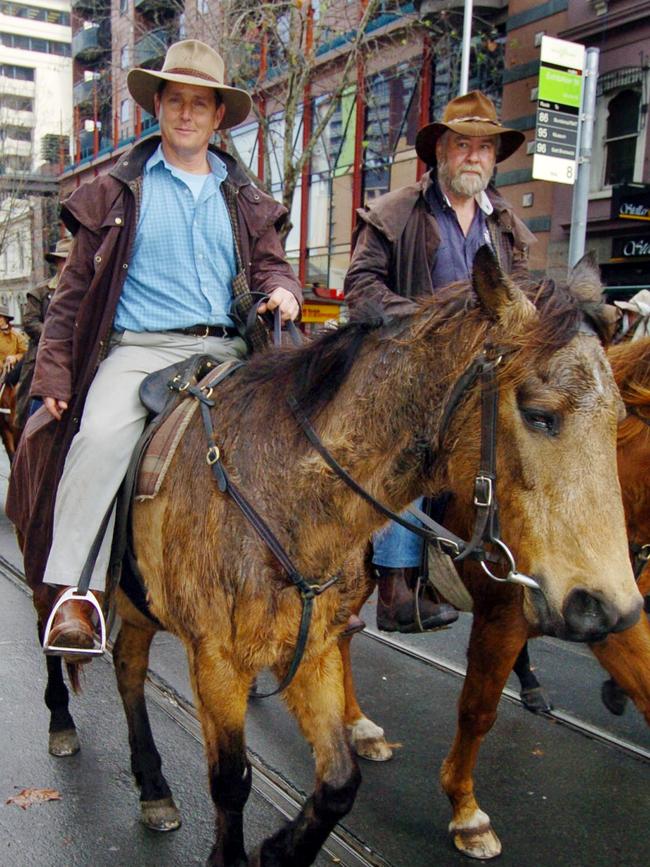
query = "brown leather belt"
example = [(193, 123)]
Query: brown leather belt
[(208, 331)]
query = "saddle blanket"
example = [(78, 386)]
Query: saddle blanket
[(159, 453)]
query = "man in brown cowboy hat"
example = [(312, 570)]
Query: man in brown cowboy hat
[(168, 246), (37, 301), (409, 243)]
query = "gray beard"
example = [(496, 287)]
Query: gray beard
[(462, 184)]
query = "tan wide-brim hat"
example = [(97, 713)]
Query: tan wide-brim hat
[(472, 114), (639, 303), (60, 251), (190, 62)]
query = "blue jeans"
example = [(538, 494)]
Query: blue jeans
[(395, 546)]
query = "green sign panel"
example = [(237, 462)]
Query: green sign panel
[(557, 85)]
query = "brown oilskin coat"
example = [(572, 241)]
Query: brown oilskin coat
[(102, 216), (396, 241)]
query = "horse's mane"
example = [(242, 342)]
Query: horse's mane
[(631, 367), (314, 373)]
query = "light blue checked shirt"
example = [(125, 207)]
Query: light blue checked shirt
[(183, 260)]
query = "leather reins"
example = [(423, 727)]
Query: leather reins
[(486, 524)]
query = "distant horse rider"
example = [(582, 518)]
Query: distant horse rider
[(38, 300)]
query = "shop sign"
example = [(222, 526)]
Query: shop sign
[(631, 203), (629, 249), (319, 312)]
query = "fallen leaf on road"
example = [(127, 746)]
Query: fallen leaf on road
[(28, 797), (538, 752)]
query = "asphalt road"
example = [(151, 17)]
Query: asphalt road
[(567, 790)]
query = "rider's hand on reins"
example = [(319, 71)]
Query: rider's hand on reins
[(285, 301), (55, 407)]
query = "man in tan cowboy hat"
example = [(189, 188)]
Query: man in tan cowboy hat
[(168, 246), (37, 301), (635, 320), (13, 344), (409, 243)]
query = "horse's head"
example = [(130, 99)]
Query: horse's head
[(558, 493)]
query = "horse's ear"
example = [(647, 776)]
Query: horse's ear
[(586, 287), (584, 279), (496, 291)]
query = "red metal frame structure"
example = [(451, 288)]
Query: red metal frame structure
[(307, 127), (425, 93), (357, 167)]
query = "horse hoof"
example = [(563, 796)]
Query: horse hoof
[(64, 743), (161, 815), (477, 839), (613, 697), (368, 741), (536, 700), (481, 844)]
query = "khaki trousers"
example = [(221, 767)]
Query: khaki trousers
[(112, 422)]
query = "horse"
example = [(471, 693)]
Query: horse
[(8, 430), (626, 655), (375, 391)]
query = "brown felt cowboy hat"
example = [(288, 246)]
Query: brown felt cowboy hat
[(472, 114), (190, 62), (60, 251)]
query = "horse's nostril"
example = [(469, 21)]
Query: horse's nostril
[(587, 615)]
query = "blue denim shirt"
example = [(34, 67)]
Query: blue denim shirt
[(456, 251), (183, 260)]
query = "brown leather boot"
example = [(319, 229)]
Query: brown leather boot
[(74, 623), (396, 603)]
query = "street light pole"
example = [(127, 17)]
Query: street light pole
[(580, 203), (467, 39)]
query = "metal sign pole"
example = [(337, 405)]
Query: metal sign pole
[(580, 204), (467, 39)]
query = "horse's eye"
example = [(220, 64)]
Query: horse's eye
[(541, 420)]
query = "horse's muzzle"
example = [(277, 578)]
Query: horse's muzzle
[(589, 616)]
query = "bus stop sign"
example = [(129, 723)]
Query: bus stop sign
[(558, 110)]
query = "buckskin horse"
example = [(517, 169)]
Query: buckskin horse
[(375, 391)]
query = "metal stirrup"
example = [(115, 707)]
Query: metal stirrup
[(100, 643)]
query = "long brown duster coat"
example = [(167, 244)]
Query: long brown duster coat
[(102, 215)]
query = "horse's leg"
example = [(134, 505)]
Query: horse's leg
[(316, 698), (221, 694), (626, 656), (533, 695), (131, 656), (494, 646), (366, 737), (63, 740)]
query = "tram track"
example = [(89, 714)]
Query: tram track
[(559, 716)]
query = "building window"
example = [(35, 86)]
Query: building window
[(34, 13), (19, 73), (32, 43), (621, 136), (124, 7), (16, 103), (125, 110), (202, 7), (124, 57)]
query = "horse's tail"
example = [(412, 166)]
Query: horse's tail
[(74, 676)]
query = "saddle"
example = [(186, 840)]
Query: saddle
[(164, 394)]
